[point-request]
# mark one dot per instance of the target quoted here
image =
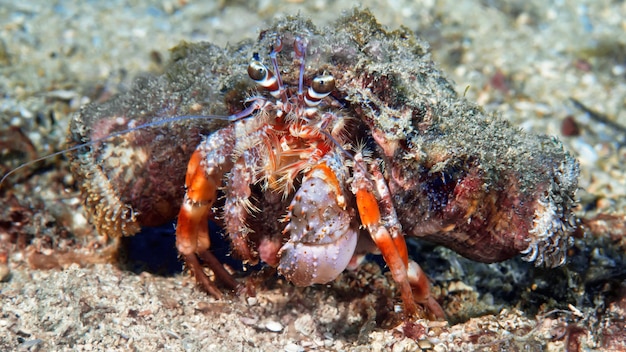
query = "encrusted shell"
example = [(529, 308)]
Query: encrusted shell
[(137, 179), (458, 176)]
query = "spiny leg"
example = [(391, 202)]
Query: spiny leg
[(204, 175), (238, 205), (218, 269), (370, 218), (421, 290), (380, 219), (417, 278)]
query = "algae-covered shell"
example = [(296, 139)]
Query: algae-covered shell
[(458, 176), (137, 179)]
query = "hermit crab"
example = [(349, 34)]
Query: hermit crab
[(332, 144)]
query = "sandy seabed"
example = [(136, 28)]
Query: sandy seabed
[(525, 60)]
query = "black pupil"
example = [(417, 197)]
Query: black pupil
[(323, 84)]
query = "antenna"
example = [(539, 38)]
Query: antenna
[(231, 118)]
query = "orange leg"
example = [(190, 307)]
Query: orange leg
[(386, 232), (204, 174), (421, 290), (370, 218)]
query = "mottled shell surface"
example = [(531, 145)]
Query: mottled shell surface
[(458, 176), (137, 179)]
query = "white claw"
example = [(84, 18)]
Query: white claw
[(323, 235), (305, 264)]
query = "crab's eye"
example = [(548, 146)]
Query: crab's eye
[(257, 71), (323, 85)]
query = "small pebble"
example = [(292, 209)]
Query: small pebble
[(425, 344), (459, 286), (30, 343), (440, 348), (252, 301), (292, 347), (569, 127), (274, 326), (250, 321)]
